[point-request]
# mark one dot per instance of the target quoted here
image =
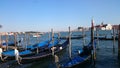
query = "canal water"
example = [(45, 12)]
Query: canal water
[(106, 57)]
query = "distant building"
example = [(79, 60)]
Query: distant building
[(104, 27), (80, 28), (115, 26)]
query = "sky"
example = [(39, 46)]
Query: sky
[(42, 15)]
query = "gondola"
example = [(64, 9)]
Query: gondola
[(46, 53), (83, 55), (31, 50)]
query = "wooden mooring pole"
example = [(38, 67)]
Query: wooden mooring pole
[(83, 33), (25, 40), (52, 37), (15, 39), (49, 35), (37, 39), (97, 35), (92, 40), (52, 42), (59, 36), (7, 38), (119, 43), (28, 41), (70, 44), (114, 35)]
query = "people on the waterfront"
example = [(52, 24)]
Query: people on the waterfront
[(17, 57), (1, 53)]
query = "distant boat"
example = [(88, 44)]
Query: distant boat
[(36, 35), (73, 37), (106, 37)]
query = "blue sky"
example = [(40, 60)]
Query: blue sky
[(42, 15)]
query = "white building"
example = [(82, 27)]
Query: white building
[(108, 27), (104, 27)]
